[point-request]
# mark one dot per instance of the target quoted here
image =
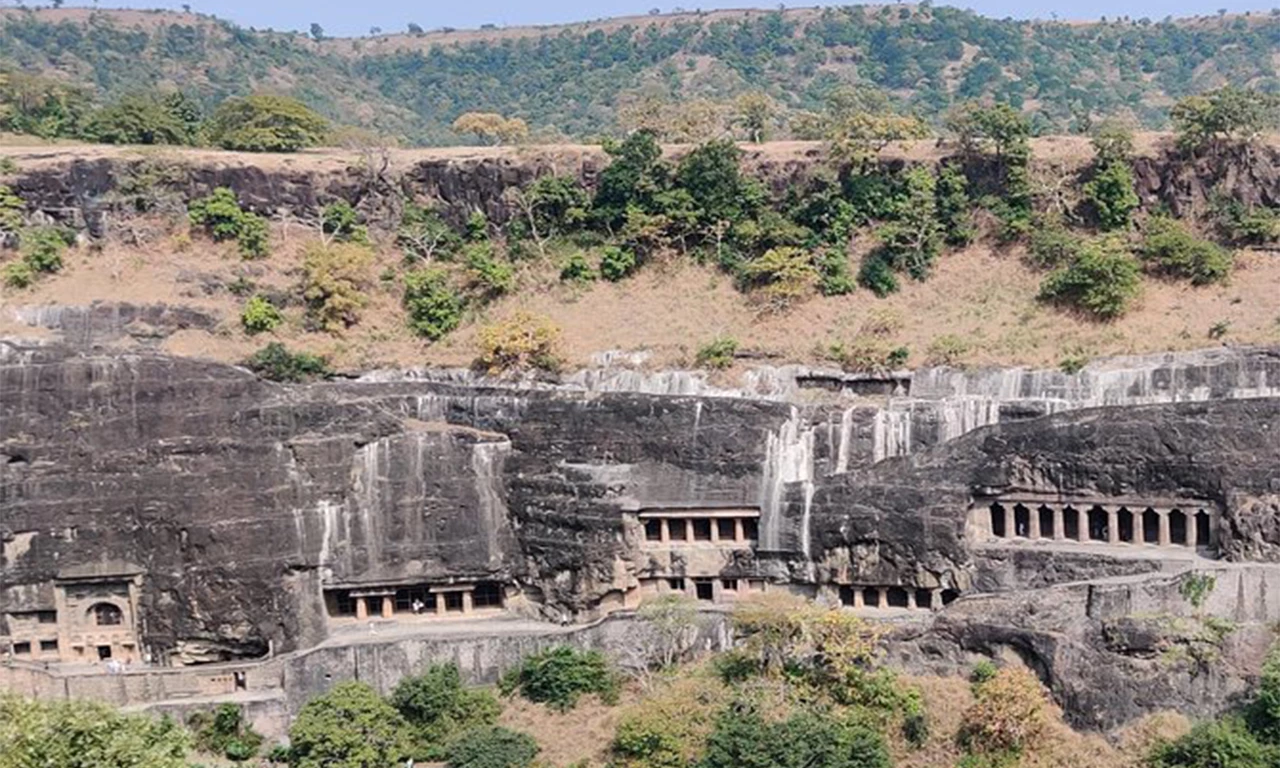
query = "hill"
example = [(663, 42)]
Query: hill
[(580, 80)]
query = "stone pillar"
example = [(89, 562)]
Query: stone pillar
[(1165, 538), (883, 601), (858, 601), (1113, 526), (362, 608), (439, 603), (468, 602), (739, 530), (388, 607), (1033, 524), (1059, 532), (1193, 531), (1010, 529), (666, 531), (935, 600), (911, 599), (715, 530)]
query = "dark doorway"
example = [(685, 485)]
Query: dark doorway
[(1204, 530), (1070, 523), (1098, 524), (705, 590), (871, 597), (1178, 527), (1124, 521), (1022, 521), (104, 652), (997, 522), (898, 597), (1046, 523), (1150, 527)]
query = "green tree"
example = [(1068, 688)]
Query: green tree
[(438, 707), (913, 240), (138, 119), (755, 113), (348, 727), (633, 178), (425, 235), (1111, 196), (1104, 280), (334, 279), (1169, 248), (275, 362), (492, 747), (743, 739), (1226, 116), (266, 123), (1224, 744), (559, 676), (77, 734), (434, 307), (712, 176)]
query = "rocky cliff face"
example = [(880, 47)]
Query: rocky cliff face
[(82, 191), (241, 501)]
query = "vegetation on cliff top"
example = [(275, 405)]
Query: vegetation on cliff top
[(589, 80)]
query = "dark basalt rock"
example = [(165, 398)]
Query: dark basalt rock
[(241, 500)]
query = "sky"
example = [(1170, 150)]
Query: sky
[(343, 17)]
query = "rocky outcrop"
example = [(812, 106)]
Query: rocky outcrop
[(242, 502)]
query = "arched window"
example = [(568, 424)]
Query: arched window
[(107, 615)]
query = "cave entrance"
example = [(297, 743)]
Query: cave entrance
[(1150, 526), (1022, 521), (1124, 521), (997, 522), (1047, 529), (847, 596), (924, 598), (949, 596), (1204, 529), (1099, 525), (1071, 523), (704, 589), (898, 598), (871, 597), (1178, 527), (104, 652)]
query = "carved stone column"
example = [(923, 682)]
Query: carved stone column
[(1165, 539), (1033, 524), (1059, 530), (1113, 526)]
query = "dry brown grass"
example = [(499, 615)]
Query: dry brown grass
[(567, 738), (980, 300)]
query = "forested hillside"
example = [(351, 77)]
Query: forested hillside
[(589, 79)]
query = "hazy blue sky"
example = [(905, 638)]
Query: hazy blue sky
[(346, 17)]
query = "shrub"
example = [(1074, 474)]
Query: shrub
[(1169, 248), (348, 727), (1264, 711), (137, 119), (743, 738), (276, 363), (224, 732), (333, 281), (983, 672), (341, 221), (438, 707), (869, 356), (78, 733), (1223, 744), (947, 349), (17, 274), (1246, 224), (492, 747), (782, 276), (1103, 281), (955, 209), (1226, 115), (717, 353), (264, 123), (221, 216), (434, 307), (617, 263), (425, 235), (834, 276), (1111, 197), (735, 666), (11, 212), (559, 676), (525, 341), (42, 247), (577, 270), (488, 276), (1009, 713), (260, 316), (876, 275), (1052, 244)]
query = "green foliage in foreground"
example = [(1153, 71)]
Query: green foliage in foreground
[(492, 747), (561, 675), (434, 307), (224, 732), (85, 735), (743, 739), (1170, 249), (438, 708), (221, 216), (265, 123), (348, 727)]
